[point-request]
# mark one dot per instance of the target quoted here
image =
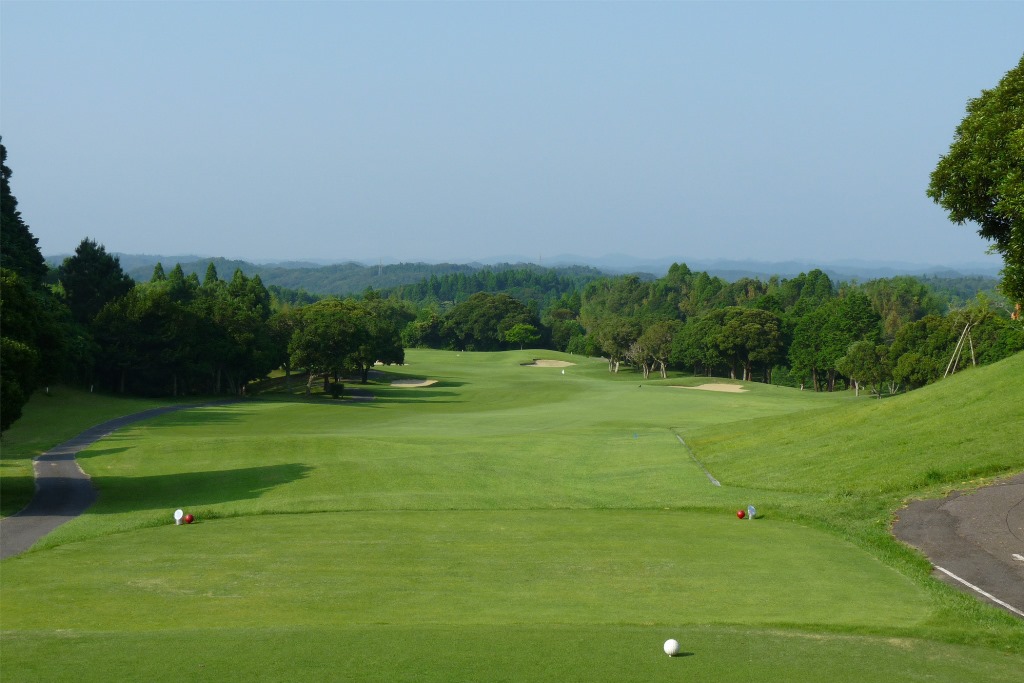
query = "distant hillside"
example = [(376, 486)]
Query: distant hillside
[(532, 285), (344, 279)]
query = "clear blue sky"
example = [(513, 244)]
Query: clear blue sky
[(462, 131)]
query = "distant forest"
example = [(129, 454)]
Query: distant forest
[(445, 284)]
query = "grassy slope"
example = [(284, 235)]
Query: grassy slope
[(968, 426), (568, 535)]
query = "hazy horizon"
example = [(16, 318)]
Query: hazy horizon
[(461, 132), (611, 263)]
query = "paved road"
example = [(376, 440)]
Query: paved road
[(63, 490), (977, 536)]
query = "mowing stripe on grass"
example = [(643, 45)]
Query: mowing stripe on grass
[(978, 590), (699, 463)]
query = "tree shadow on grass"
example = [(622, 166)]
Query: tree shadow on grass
[(97, 452), (119, 494), (199, 416)]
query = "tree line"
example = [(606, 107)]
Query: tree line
[(177, 334), (805, 331)]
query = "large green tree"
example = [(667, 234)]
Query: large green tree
[(19, 249), (522, 334), (866, 364), (696, 343), (981, 179), (378, 325), (325, 335), (34, 332), (91, 278), (19, 360), (748, 336), (480, 322)]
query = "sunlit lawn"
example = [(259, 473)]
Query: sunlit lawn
[(506, 523)]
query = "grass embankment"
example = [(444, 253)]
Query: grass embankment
[(509, 523)]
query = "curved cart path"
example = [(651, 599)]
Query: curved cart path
[(976, 536), (63, 490)]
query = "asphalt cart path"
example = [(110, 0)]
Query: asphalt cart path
[(63, 490), (975, 540)]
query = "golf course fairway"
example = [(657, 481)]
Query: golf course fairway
[(513, 522)]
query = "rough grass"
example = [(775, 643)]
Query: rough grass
[(968, 426)]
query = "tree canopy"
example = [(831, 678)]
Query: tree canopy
[(34, 330), (90, 279), (981, 179), (19, 249)]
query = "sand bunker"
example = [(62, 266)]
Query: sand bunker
[(731, 388), (548, 364), (413, 382)]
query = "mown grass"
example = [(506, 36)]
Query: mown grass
[(507, 653), (510, 523)]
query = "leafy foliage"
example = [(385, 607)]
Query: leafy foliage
[(34, 328), (90, 279), (19, 249), (981, 179)]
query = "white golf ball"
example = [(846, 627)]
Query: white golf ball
[(671, 647)]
